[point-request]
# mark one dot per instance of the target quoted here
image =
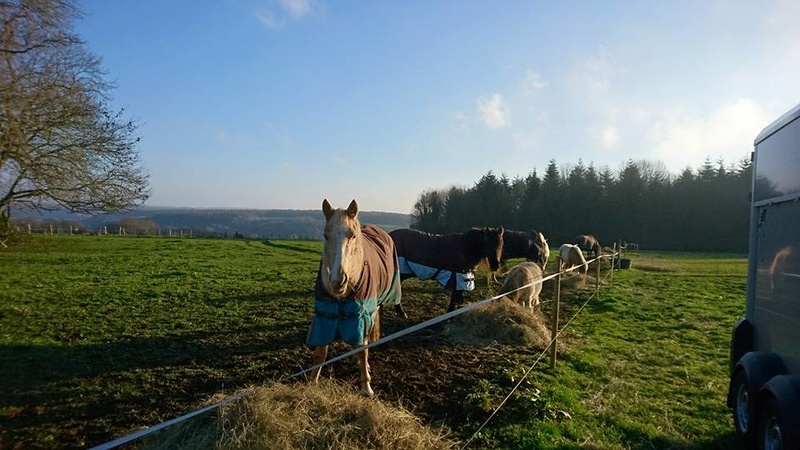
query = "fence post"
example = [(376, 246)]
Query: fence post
[(597, 275), (29, 229), (554, 330), (613, 262)]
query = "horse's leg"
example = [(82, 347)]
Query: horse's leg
[(456, 299), (318, 356), (363, 367), (363, 357)]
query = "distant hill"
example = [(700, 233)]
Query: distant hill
[(261, 223)]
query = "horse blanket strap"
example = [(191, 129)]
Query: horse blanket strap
[(351, 319), (462, 281)]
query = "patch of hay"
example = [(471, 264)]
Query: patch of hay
[(308, 416), (501, 321)]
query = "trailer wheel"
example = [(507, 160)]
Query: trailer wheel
[(743, 406), (772, 429)]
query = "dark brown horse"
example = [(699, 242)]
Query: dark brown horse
[(450, 259), (589, 243), (520, 244)]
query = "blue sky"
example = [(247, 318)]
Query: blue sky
[(281, 103)]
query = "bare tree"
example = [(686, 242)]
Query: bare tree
[(60, 143)]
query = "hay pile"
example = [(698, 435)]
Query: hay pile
[(501, 321), (306, 416)]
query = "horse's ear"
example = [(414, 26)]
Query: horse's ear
[(327, 209), (352, 210)]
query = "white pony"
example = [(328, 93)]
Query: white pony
[(569, 256)]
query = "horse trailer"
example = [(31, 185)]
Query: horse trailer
[(764, 390)]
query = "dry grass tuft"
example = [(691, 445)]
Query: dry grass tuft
[(501, 321), (307, 416)]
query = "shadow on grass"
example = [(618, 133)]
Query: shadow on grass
[(293, 248), (77, 395), (636, 440)]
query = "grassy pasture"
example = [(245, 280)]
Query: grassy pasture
[(100, 336)]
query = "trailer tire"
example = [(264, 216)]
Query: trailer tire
[(772, 429), (744, 397)]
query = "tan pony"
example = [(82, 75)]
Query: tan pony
[(358, 273), (523, 284)]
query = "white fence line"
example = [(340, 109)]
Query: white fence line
[(422, 325)]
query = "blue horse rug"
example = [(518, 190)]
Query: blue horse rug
[(351, 319)]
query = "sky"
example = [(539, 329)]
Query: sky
[(279, 104)]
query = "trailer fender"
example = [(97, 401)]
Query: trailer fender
[(742, 341), (782, 393), (758, 368)]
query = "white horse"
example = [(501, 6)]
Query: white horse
[(569, 256), (545, 249)]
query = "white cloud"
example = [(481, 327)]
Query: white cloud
[(296, 8), (594, 73), (727, 132), (534, 82), (288, 165), (607, 137), (493, 111), (268, 20), (526, 139), (640, 114), (460, 122), (221, 136), (610, 138)]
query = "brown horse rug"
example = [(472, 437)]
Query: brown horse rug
[(351, 319)]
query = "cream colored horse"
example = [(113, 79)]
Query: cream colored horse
[(358, 273), (527, 274), (545, 249), (569, 256)]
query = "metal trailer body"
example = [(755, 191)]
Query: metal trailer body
[(764, 391)]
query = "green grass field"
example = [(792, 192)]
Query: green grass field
[(101, 336)]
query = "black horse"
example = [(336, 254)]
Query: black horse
[(520, 244), (450, 259)]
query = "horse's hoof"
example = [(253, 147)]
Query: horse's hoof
[(367, 391), (398, 309)]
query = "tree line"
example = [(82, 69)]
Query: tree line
[(703, 209)]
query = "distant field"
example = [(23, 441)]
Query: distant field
[(100, 336)]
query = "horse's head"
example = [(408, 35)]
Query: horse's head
[(493, 246), (342, 254), (544, 248)]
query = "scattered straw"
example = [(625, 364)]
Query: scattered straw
[(307, 416), (501, 321)]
